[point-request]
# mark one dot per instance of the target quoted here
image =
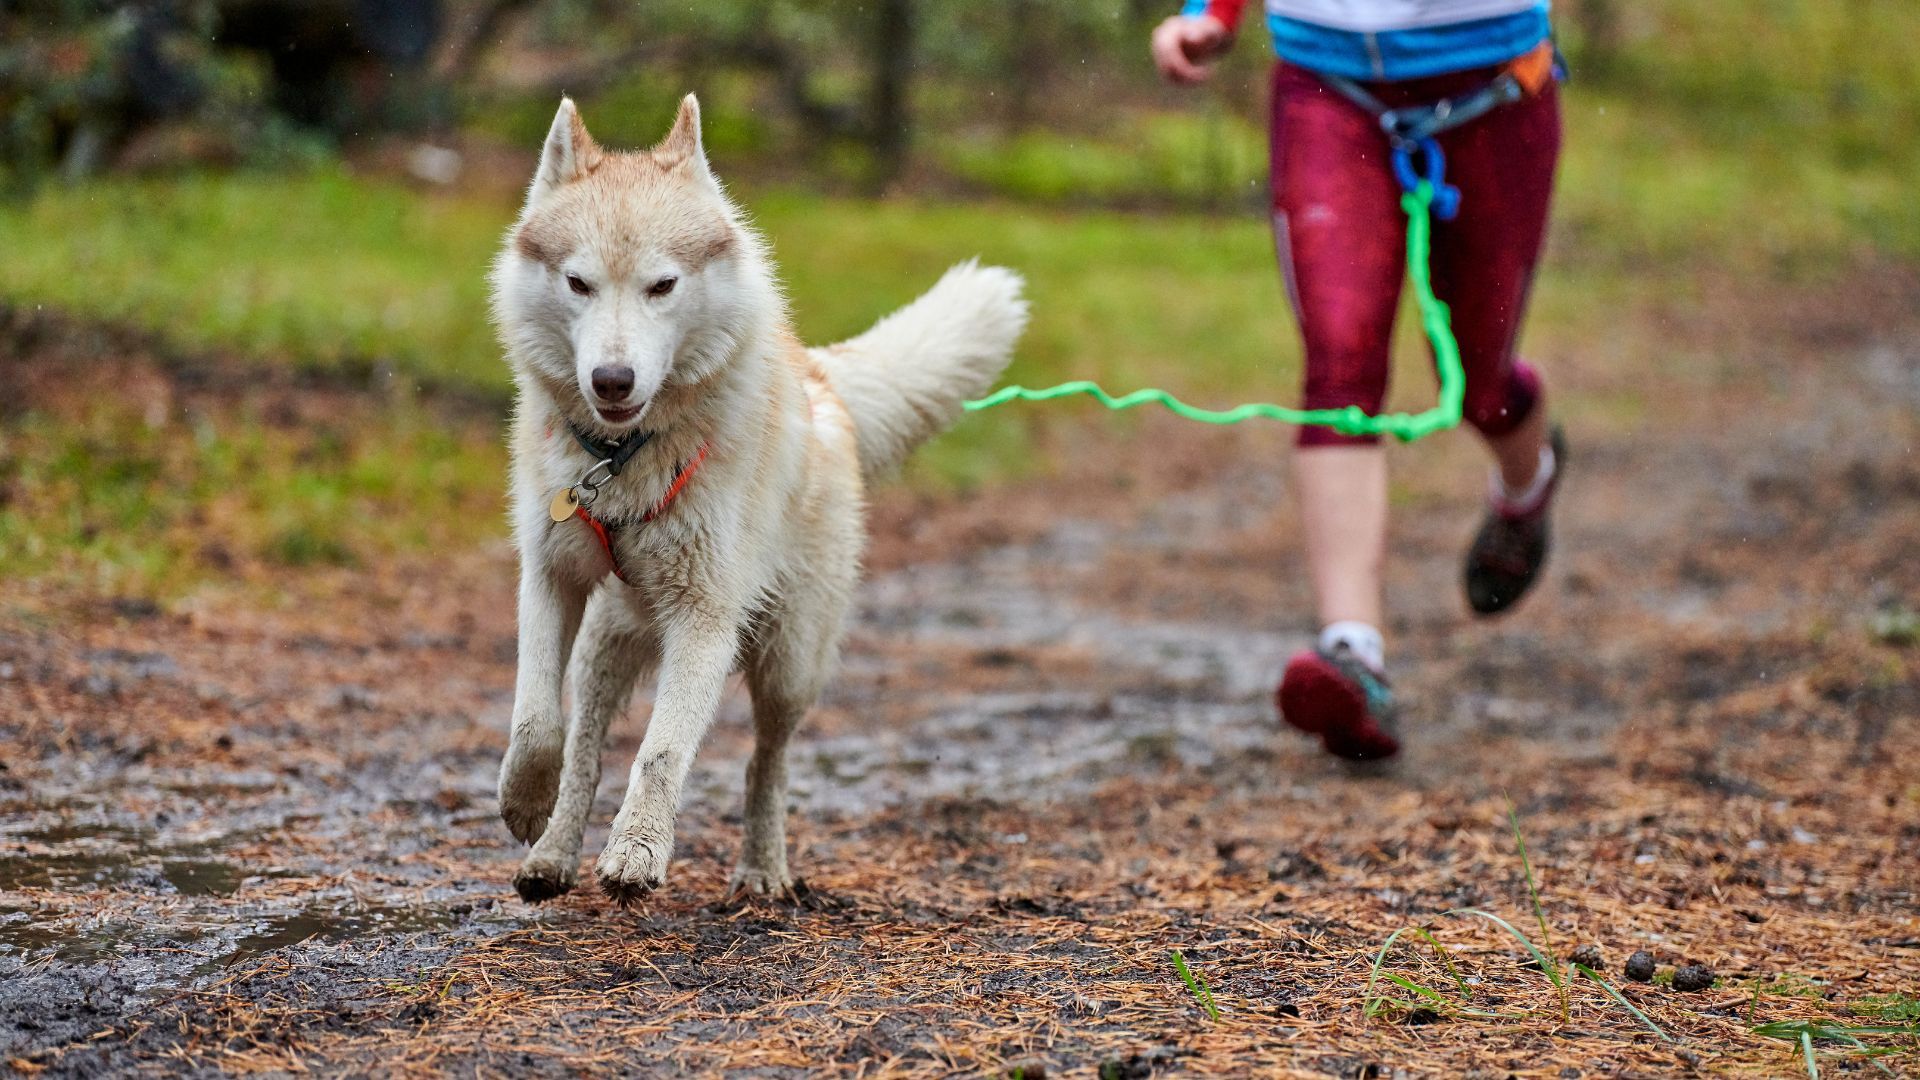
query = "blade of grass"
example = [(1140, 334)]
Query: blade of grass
[(1373, 976), (1447, 960), (1526, 864), (1380, 1003), (1196, 986), (1624, 1003), (1871, 1053), (1819, 1029), (1545, 963), (1805, 1031), (1540, 958), (1806, 1046), (1446, 1003)]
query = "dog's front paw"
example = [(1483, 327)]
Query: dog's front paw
[(541, 878), (773, 883), (529, 782), (633, 865)]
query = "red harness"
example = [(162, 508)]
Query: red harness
[(603, 532)]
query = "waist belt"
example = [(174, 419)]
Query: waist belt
[(1411, 129)]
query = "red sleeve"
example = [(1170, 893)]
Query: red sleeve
[(1227, 11)]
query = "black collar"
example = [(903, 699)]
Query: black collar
[(615, 452)]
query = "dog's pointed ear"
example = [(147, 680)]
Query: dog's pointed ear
[(682, 147), (570, 153)]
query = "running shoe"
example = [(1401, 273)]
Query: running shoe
[(1335, 695), (1512, 545)]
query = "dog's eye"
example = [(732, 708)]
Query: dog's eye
[(579, 285), (663, 286)]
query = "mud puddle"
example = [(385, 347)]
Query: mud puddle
[(167, 884), (112, 870), (77, 847)]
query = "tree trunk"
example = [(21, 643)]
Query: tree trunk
[(889, 123), (1028, 63), (1599, 23)]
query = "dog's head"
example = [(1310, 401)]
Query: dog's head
[(624, 273)]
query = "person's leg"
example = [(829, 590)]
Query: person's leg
[(1483, 265), (1338, 234), (1517, 453), (1342, 494)]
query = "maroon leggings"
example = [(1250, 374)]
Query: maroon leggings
[(1341, 237)]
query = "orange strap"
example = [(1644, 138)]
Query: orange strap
[(1533, 69), (674, 489), (605, 536), (604, 532)]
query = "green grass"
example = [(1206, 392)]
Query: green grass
[(310, 269), (1199, 157), (322, 268), (1196, 985), (107, 498), (1868, 1042), (1890, 1008)]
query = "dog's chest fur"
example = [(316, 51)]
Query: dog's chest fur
[(780, 450)]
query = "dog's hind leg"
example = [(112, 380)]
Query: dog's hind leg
[(612, 654), (778, 706), (786, 672)]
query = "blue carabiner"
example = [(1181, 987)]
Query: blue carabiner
[(1446, 197)]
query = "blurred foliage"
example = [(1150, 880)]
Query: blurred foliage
[(1054, 100), (1040, 100), (159, 84), (77, 75)]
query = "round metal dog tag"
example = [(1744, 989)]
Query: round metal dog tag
[(563, 505)]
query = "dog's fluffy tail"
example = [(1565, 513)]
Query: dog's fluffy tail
[(903, 381)]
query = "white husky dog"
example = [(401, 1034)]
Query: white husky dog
[(688, 486)]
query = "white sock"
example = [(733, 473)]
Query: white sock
[(1528, 498), (1363, 639)]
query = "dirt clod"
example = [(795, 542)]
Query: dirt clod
[(1640, 966), (1138, 1066), (1691, 977)]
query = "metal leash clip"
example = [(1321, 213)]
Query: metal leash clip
[(582, 493)]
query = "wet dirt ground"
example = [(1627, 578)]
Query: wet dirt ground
[(263, 836)]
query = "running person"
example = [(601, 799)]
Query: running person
[(1340, 234)]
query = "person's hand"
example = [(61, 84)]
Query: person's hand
[(1184, 46)]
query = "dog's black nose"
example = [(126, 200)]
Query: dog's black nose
[(612, 383)]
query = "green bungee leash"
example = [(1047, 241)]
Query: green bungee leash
[(1418, 202)]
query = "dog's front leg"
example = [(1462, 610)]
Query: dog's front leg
[(697, 654), (550, 609)]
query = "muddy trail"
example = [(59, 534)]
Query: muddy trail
[(263, 836)]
